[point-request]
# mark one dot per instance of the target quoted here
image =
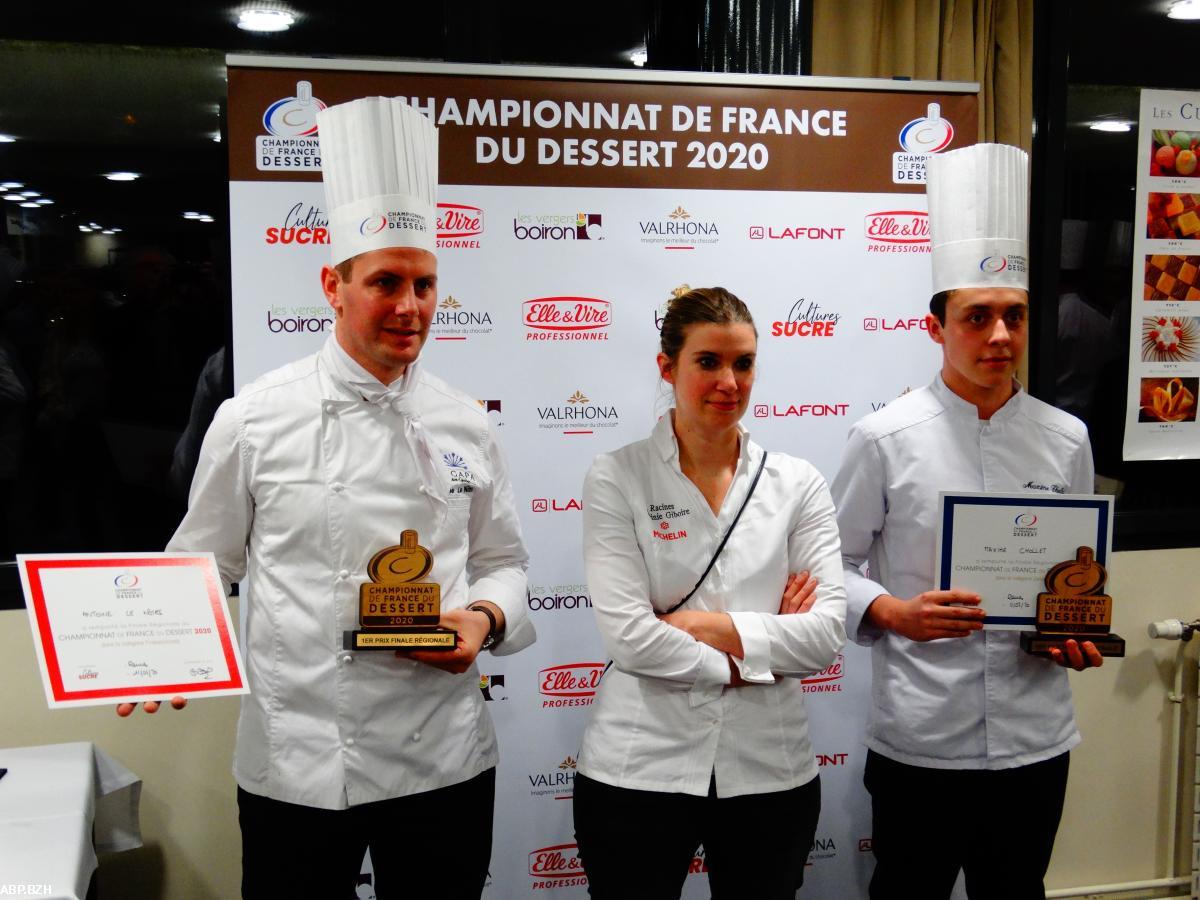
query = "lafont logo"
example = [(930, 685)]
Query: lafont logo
[(797, 233), (555, 504), (799, 410), (566, 319), (883, 323)]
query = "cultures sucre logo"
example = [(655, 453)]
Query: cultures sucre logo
[(806, 319), (303, 224)]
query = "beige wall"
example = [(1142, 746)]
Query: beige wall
[(189, 810), (1114, 829)]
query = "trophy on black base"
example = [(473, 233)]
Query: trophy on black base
[(1074, 607), (397, 611)]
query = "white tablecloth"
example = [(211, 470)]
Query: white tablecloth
[(59, 804)]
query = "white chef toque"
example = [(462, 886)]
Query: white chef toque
[(979, 217), (379, 159)]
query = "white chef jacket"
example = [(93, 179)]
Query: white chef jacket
[(663, 720), (300, 481), (977, 702)]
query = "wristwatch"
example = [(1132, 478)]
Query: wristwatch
[(493, 635)]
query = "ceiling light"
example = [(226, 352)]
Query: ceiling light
[(30, 205), (11, 185), (265, 20), (6, 138), (108, 231), (123, 176), (638, 56), (1184, 9), (1110, 126), (16, 198), (115, 230), (29, 195), (206, 218), (85, 229), (217, 137), (94, 225), (45, 201), (191, 215)]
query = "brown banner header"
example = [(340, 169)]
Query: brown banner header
[(558, 132)]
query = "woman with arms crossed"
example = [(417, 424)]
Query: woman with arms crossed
[(699, 733)]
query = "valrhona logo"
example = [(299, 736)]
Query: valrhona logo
[(806, 319), (566, 319), (571, 684), (556, 867), (578, 416), (828, 680), (557, 783), (897, 231), (302, 224), (459, 226), (454, 320), (679, 230)]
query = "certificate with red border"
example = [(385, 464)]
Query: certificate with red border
[(117, 627)]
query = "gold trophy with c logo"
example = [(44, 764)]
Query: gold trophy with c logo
[(396, 609), (1074, 607)]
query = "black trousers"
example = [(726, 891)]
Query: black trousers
[(998, 827), (640, 844), (435, 844)]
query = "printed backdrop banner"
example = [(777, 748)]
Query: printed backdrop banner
[(1164, 334), (573, 205)]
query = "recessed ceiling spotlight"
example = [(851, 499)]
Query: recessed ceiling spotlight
[(115, 230), (123, 176), (30, 205), (259, 19), (45, 201), (638, 56), (205, 218), (94, 225), (216, 137), (107, 231), (11, 185), (86, 229), (6, 138), (1110, 126), (16, 198), (1184, 9), (29, 195), (191, 215)]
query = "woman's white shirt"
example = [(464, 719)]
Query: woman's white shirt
[(664, 718)]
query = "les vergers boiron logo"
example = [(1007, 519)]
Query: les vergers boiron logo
[(571, 684)]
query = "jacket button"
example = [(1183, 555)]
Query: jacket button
[(416, 736), (349, 742)]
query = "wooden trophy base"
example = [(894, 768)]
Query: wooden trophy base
[(430, 637), (1039, 643)]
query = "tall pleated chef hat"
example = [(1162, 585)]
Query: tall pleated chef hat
[(979, 217), (379, 160)]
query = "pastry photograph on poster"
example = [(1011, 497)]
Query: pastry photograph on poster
[(1172, 216), (1170, 339), (1171, 277), (1173, 153), (1168, 400)]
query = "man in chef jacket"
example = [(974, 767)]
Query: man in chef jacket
[(303, 477), (968, 736)]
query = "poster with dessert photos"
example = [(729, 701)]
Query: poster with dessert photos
[(1164, 334)]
